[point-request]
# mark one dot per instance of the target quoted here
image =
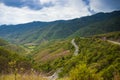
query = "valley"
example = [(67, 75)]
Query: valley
[(86, 48)]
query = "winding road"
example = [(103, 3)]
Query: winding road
[(55, 75), (114, 42), (76, 47)]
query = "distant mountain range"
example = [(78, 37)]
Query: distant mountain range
[(36, 32), (45, 47)]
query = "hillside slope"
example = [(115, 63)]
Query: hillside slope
[(114, 36), (12, 47), (36, 32), (97, 59), (11, 58)]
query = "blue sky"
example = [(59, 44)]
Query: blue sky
[(23, 11)]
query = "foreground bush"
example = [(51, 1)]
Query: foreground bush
[(22, 77), (82, 72)]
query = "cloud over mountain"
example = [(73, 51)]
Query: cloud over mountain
[(22, 11)]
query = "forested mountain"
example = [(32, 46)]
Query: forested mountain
[(114, 36), (12, 47), (44, 48), (11, 58), (97, 59), (43, 31)]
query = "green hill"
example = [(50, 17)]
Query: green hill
[(11, 58), (104, 26), (12, 47), (50, 48), (37, 32), (97, 59), (114, 36)]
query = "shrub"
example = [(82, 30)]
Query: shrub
[(82, 72)]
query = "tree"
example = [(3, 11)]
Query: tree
[(82, 72)]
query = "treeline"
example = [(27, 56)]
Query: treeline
[(11, 58), (37, 32), (10, 62), (49, 56), (97, 60), (115, 36)]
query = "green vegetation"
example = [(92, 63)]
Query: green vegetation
[(104, 26), (22, 77), (96, 58), (37, 32), (114, 36), (45, 47), (82, 72), (51, 53), (11, 61), (12, 47), (3, 42)]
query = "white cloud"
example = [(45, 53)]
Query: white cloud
[(47, 1), (104, 5), (61, 10)]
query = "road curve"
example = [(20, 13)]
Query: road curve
[(114, 42), (76, 47), (55, 75)]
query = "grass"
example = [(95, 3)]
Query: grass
[(66, 78), (31, 47), (22, 77)]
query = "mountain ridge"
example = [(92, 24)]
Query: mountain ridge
[(37, 32)]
